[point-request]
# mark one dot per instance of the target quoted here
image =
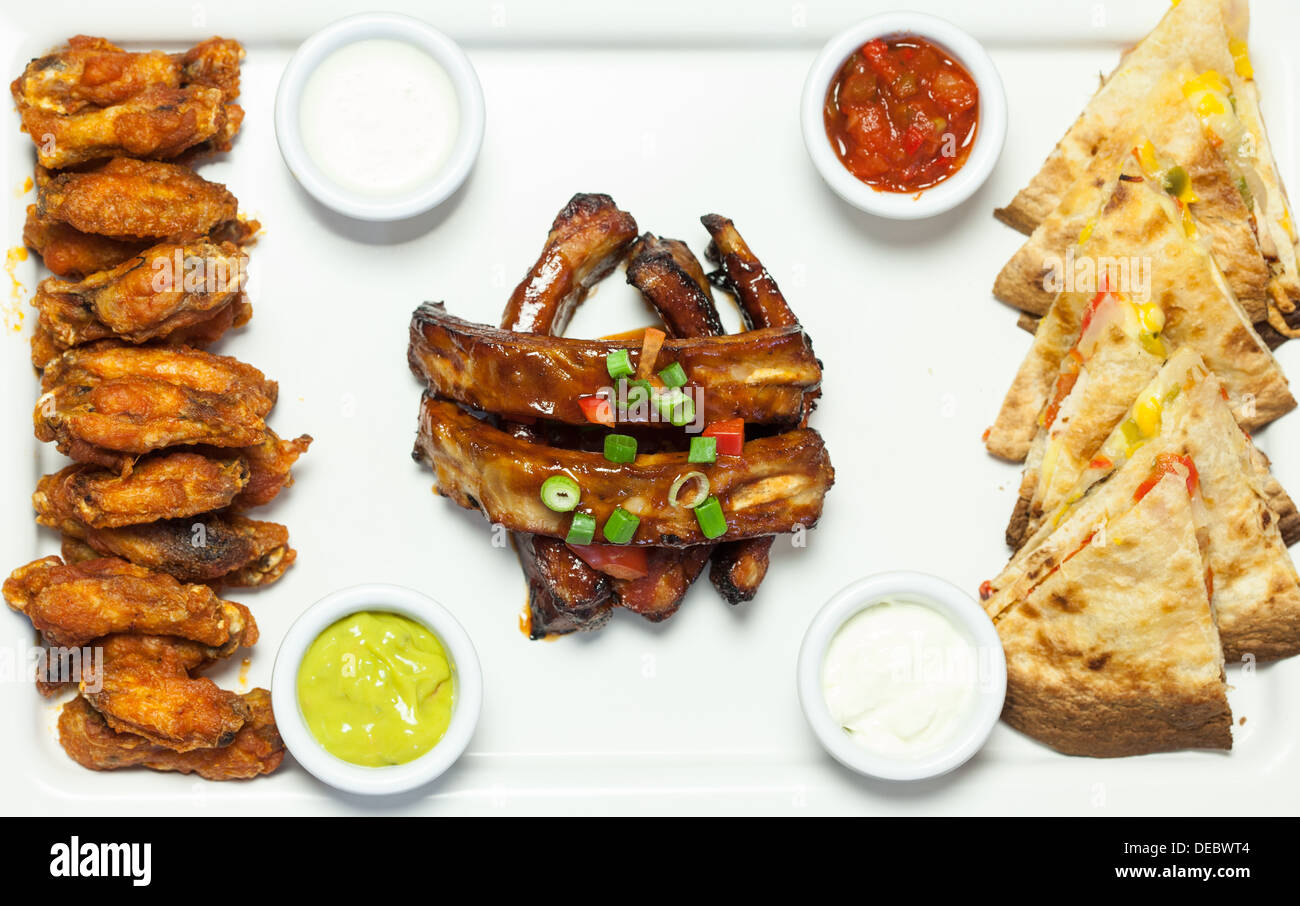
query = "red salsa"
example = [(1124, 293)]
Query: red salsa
[(901, 114)]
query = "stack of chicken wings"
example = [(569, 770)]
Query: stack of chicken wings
[(169, 442)]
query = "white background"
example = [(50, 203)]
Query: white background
[(677, 110)]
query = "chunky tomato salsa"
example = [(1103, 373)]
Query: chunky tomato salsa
[(901, 115)]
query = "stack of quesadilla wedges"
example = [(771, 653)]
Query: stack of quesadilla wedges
[(1150, 537), (1193, 70)]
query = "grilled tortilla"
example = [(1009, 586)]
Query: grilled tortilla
[(1209, 36), (1116, 652), (1178, 139), (1256, 589), (1118, 353), (1153, 237)]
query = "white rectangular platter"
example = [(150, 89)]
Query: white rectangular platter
[(676, 110)]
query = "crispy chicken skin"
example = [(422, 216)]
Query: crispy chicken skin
[(162, 486), (73, 604), (587, 240), (140, 299), (158, 123), (146, 687), (106, 403), (70, 253), (91, 99), (136, 198), (227, 550), (762, 376), (269, 468), (257, 748), (777, 483)]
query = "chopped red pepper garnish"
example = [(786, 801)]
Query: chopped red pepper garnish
[(1101, 462), (615, 560), (1064, 384), (1169, 464), (597, 410), (986, 590), (730, 433)]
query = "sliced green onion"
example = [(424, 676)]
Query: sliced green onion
[(701, 494), (709, 515), (619, 364), (703, 449), (637, 393), (676, 407), (560, 493), (582, 529), (620, 526), (620, 447), (674, 375)]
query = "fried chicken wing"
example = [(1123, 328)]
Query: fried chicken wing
[(229, 550), (92, 99), (269, 465), (106, 403), (158, 123), (136, 198), (163, 486), (162, 290), (72, 604), (146, 687), (68, 252), (257, 748)]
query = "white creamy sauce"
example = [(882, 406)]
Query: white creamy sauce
[(379, 117), (899, 678)]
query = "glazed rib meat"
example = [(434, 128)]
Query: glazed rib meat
[(146, 686), (73, 604), (256, 749), (91, 100), (136, 198), (739, 567), (151, 295), (162, 486), (671, 279), (777, 483), (762, 376), (228, 550), (669, 276), (106, 403), (586, 241)]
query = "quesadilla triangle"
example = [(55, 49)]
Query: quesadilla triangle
[(1118, 351), (1182, 155), (1256, 590), (1115, 651), (1146, 242), (1209, 36)]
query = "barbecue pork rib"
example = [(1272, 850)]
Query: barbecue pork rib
[(762, 376), (778, 482)]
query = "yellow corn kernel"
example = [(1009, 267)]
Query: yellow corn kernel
[(1147, 157), (1154, 345), (1087, 230), (1241, 58), (1147, 416), (1153, 317)]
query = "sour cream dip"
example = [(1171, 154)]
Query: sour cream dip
[(379, 117), (899, 678)]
